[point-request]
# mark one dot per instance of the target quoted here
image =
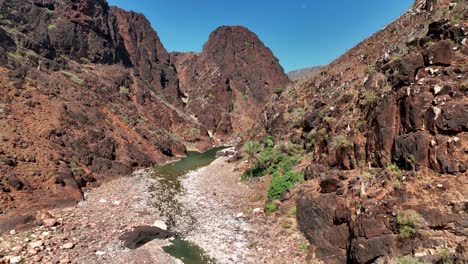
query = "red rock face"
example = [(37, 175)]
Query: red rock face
[(397, 101), (146, 53), (88, 95), (227, 84)]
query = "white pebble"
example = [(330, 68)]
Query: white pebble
[(16, 259)]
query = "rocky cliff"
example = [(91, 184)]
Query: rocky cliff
[(385, 129), (227, 84), (90, 93)]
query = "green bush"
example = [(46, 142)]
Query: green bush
[(73, 77), (126, 120), (370, 70), (408, 260), (340, 141), (278, 91), (282, 183), (124, 90), (271, 207), (408, 222), (268, 161), (329, 120), (269, 141), (191, 134), (369, 97), (304, 246)]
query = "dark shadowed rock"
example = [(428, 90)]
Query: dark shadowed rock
[(141, 235), (328, 185), (439, 53), (323, 219), (15, 182)]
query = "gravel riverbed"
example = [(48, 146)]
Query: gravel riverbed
[(219, 215)]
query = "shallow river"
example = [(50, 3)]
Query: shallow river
[(165, 199)]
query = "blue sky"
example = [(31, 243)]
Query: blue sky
[(301, 33)]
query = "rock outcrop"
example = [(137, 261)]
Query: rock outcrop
[(87, 97), (386, 129), (226, 85)]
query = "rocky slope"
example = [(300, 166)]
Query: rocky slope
[(89, 93), (385, 129), (227, 84)]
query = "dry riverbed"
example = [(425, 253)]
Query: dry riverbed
[(226, 215)]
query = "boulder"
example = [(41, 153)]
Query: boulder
[(324, 221), (440, 53), (141, 235), (315, 171), (412, 149), (15, 182), (329, 185)]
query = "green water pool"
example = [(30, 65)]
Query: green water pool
[(165, 199)]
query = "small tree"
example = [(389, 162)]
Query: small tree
[(251, 149)]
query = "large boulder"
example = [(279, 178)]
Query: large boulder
[(324, 221)]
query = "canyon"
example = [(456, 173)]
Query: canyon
[(370, 152)]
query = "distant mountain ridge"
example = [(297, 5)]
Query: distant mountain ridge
[(298, 74)]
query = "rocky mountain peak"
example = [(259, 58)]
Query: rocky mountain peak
[(235, 70)]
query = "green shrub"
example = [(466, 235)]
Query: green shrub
[(360, 124), (52, 26), (408, 260), (322, 132), (244, 95), (369, 97), (191, 134), (270, 160), (395, 168), (444, 255), (278, 91), (126, 120), (298, 115), (85, 60), (408, 222), (329, 120), (15, 55), (271, 207), (370, 70), (340, 141), (304, 246), (291, 149), (292, 211), (73, 77), (124, 90), (269, 141), (282, 183)]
